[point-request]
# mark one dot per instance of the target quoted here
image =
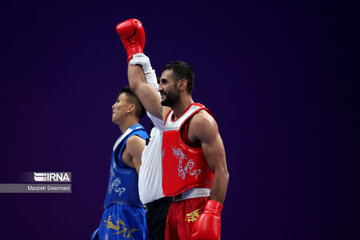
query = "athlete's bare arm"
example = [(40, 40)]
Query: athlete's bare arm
[(203, 128), (145, 92), (131, 155)]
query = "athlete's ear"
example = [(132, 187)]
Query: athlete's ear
[(182, 84), (131, 108)]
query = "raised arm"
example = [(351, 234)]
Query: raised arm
[(151, 79), (145, 92), (132, 35)]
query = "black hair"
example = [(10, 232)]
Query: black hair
[(181, 70), (133, 99)]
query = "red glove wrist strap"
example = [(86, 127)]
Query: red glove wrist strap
[(213, 207)]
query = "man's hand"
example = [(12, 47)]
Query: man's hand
[(142, 60)]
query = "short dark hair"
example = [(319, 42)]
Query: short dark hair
[(132, 98), (181, 70)]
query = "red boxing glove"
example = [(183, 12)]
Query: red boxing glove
[(208, 225), (132, 35)]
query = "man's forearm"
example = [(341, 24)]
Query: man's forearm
[(145, 92), (219, 186), (136, 77)]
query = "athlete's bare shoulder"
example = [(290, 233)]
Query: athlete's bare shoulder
[(202, 126), (135, 144)]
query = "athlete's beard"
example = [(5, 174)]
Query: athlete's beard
[(171, 98)]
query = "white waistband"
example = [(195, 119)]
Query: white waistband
[(192, 193)]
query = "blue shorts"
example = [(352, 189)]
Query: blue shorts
[(121, 221)]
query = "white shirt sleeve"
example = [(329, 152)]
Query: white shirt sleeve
[(159, 123)]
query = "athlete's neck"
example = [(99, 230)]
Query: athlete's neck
[(128, 123), (180, 107)]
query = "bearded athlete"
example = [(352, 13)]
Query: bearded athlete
[(194, 163)]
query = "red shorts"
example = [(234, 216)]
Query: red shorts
[(182, 216)]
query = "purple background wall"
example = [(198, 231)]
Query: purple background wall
[(273, 73)]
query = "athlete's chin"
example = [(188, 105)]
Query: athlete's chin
[(165, 103), (114, 120)]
